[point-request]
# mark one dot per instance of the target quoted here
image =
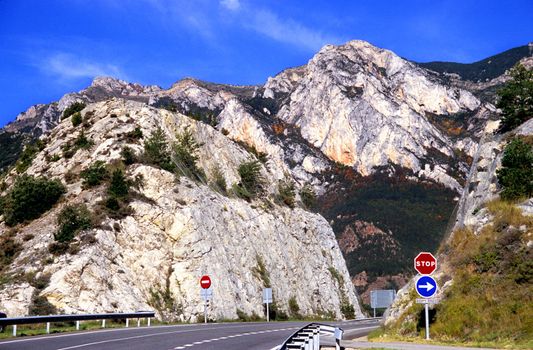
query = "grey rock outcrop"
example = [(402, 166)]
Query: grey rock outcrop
[(177, 231)]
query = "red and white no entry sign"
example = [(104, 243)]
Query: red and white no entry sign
[(425, 263), (205, 282)]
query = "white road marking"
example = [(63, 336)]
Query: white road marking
[(141, 336), (231, 336)]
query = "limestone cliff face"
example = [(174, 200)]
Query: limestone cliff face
[(176, 232), (366, 107)]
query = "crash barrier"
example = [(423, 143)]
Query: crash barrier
[(308, 337), (14, 321)]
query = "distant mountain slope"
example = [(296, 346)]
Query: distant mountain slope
[(486, 69)]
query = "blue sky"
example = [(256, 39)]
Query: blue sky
[(49, 48)]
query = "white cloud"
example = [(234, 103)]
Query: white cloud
[(69, 67), (289, 31), (232, 5)]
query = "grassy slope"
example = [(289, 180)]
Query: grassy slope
[(491, 299)]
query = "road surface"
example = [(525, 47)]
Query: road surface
[(215, 336)]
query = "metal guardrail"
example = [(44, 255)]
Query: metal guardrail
[(14, 321), (308, 337)]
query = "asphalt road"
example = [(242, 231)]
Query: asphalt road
[(234, 336)]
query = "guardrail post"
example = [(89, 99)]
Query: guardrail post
[(103, 323), (14, 330), (77, 325), (47, 327), (127, 323)]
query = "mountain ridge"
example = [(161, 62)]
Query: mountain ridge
[(355, 120)]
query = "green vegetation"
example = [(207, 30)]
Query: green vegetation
[(81, 142), (185, 156), (40, 305), (164, 302), (486, 69), (243, 317), (29, 198), (294, 308), (261, 273), (218, 181), (156, 151), (400, 206), (491, 299), (308, 196), (76, 119), (27, 156), (347, 308), (119, 186), (9, 249), (71, 220), (94, 175), (516, 174), (286, 192), (128, 155), (11, 145), (73, 108), (516, 98), (135, 134), (252, 182)]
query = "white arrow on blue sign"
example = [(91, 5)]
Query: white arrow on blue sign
[(426, 286)]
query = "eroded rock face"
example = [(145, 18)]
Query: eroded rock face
[(177, 231), (366, 107)]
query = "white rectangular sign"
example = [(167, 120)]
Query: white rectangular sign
[(267, 296), (206, 294), (382, 298)]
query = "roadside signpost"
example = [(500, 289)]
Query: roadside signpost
[(426, 286), (206, 293), (267, 299), (425, 263), (381, 299)]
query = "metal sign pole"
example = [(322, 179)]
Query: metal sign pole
[(205, 310), (268, 316), (427, 320)]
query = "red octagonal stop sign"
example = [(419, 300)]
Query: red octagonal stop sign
[(205, 282), (425, 263)]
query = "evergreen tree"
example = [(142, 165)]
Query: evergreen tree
[(516, 98)]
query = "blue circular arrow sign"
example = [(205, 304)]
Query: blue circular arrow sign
[(426, 286)]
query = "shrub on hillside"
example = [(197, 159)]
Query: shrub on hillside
[(156, 150), (185, 156), (286, 192), (252, 182), (27, 156), (119, 185), (71, 220), (9, 249), (30, 197), (94, 174), (516, 98), (516, 174), (308, 196), (128, 155), (218, 180), (73, 108), (76, 119), (82, 142)]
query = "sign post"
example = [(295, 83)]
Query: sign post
[(382, 298), (267, 299), (426, 286), (206, 292)]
